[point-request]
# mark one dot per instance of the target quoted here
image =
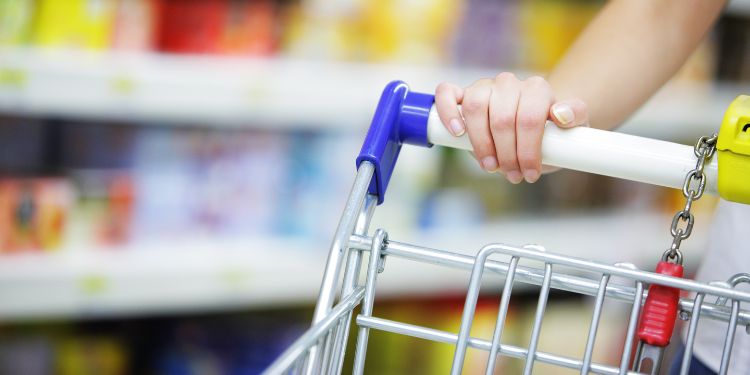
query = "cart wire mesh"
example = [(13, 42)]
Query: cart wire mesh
[(321, 350)]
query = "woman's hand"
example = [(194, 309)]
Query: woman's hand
[(505, 119)]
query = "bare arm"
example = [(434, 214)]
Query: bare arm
[(628, 51)]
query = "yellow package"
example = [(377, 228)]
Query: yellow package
[(15, 19), (408, 30), (548, 28), (91, 355), (81, 24)]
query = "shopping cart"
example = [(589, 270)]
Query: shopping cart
[(404, 117)]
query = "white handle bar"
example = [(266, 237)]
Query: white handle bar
[(603, 152)]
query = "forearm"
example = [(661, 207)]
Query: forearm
[(628, 51)]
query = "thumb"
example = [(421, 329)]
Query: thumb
[(569, 113)]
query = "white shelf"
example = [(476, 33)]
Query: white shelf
[(205, 275), (200, 89), (158, 278), (270, 92)]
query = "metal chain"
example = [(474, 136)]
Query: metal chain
[(692, 189)]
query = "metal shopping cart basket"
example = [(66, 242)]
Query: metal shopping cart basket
[(404, 117)]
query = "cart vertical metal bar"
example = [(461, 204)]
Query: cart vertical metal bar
[(404, 117)]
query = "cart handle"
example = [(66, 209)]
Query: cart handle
[(404, 117)]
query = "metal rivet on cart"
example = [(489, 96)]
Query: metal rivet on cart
[(684, 315)]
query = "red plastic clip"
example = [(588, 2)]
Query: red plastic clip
[(659, 313)]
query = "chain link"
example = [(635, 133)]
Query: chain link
[(693, 189)]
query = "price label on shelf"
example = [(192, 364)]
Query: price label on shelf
[(123, 85), (13, 78), (92, 285)]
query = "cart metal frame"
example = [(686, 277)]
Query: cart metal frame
[(321, 349)]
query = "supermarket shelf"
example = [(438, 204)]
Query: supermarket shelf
[(198, 89), (208, 275), (170, 277), (275, 93)]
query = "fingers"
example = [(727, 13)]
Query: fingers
[(533, 108), (447, 98), (504, 118), (502, 121), (475, 108), (569, 113)]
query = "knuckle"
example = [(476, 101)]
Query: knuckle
[(529, 121), (480, 82), (537, 81), (507, 163), (505, 77), (444, 88), (528, 158), (484, 148), (501, 122), (473, 104)]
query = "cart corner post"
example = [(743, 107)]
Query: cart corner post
[(400, 118)]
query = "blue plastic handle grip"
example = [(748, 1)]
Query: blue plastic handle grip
[(401, 117)]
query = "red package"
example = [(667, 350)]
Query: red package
[(190, 26), (115, 226)]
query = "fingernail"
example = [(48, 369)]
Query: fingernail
[(563, 113), (531, 175), (514, 177), (456, 127), (489, 164)]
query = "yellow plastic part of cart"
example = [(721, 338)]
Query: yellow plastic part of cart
[(733, 148)]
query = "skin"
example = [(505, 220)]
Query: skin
[(629, 50)]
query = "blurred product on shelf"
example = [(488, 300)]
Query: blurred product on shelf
[(33, 213), (232, 27), (483, 17), (207, 182), (119, 215), (15, 21), (548, 28), (103, 214), (213, 344), (733, 35), (409, 31), (528, 35), (455, 208), (251, 28), (78, 24), (371, 30), (190, 26), (35, 201), (90, 355), (136, 184), (134, 25), (318, 30)]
